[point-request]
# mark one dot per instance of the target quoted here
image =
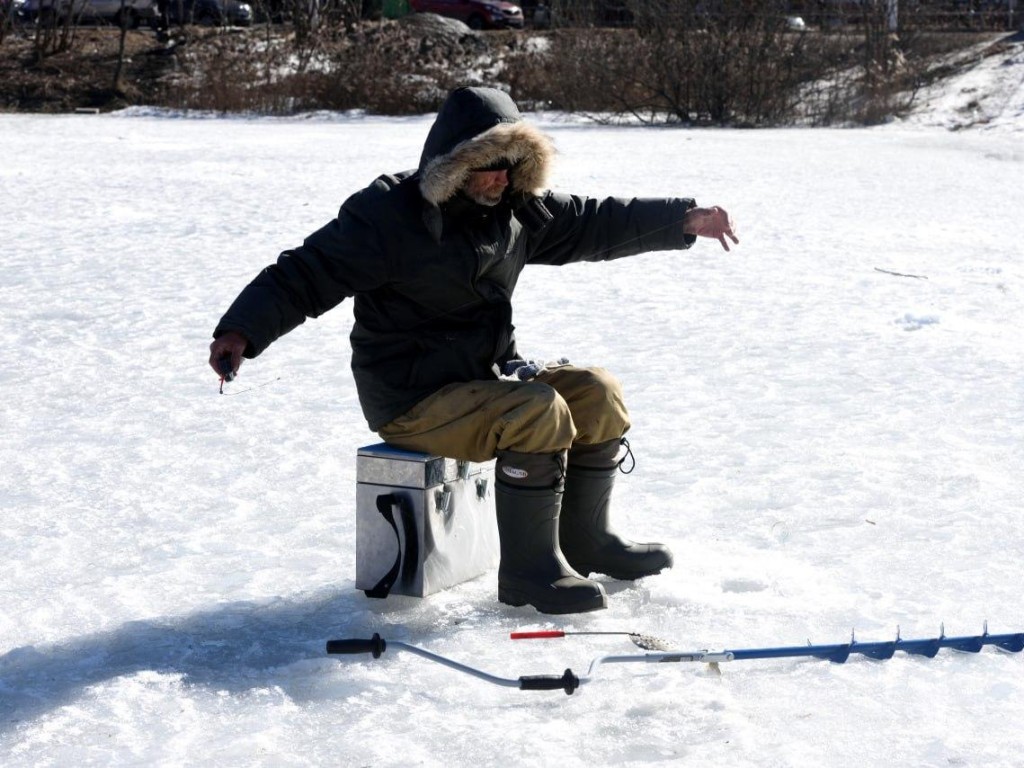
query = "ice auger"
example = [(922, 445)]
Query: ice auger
[(659, 652)]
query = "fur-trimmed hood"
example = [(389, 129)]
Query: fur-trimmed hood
[(474, 128)]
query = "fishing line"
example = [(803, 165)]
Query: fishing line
[(249, 389)]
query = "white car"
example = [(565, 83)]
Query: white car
[(130, 13)]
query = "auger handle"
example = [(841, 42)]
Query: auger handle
[(568, 682), (375, 645)]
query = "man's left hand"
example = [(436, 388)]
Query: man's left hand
[(711, 222)]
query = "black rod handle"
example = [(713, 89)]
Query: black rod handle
[(375, 645), (225, 368)]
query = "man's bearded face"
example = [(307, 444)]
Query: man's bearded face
[(486, 187)]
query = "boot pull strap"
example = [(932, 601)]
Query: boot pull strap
[(628, 455), (386, 503), (562, 462)]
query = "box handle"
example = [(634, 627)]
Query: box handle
[(386, 504)]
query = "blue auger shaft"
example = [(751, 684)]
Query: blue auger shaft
[(837, 653), (840, 652)]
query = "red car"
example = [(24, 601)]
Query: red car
[(478, 14)]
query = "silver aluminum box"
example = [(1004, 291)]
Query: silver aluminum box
[(451, 509)]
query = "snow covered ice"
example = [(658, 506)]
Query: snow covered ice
[(826, 446)]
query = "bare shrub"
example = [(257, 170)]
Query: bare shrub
[(387, 67), (869, 72), (584, 71), (6, 21), (677, 64), (398, 67), (731, 62), (55, 33), (206, 76)]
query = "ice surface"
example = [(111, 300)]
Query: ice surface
[(825, 446)]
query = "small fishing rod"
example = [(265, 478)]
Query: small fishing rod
[(569, 682)]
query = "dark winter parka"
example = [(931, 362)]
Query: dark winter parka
[(432, 273)]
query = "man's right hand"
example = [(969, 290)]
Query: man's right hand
[(710, 222), (231, 345)]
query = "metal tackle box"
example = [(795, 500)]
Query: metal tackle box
[(423, 523)]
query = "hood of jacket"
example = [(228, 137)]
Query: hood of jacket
[(474, 128)]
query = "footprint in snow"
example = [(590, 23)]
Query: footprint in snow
[(912, 322), (743, 585)]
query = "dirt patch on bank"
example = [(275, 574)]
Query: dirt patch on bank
[(82, 77)]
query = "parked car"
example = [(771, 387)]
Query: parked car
[(214, 12), (478, 14), (129, 12)]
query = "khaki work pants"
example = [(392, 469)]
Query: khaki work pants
[(474, 420)]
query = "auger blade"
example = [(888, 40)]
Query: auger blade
[(964, 644), (1013, 643), (878, 651), (929, 648)]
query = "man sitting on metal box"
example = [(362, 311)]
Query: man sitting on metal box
[(432, 257)]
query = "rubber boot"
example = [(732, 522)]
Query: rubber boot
[(587, 540), (533, 570)]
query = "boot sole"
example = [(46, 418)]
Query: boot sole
[(517, 599), (587, 570)]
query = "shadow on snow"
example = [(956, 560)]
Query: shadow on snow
[(235, 647)]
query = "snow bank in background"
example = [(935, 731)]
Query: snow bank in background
[(988, 95)]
